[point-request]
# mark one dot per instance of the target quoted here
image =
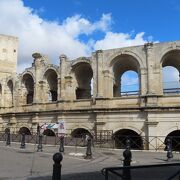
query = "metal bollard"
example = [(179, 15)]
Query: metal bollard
[(57, 158), (8, 141), (23, 144), (40, 147), (127, 161), (88, 150), (169, 149), (61, 147)]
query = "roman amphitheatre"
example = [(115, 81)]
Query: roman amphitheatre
[(87, 93)]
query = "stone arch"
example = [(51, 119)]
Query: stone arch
[(175, 139), (120, 136), (170, 59), (24, 130), (80, 60), (121, 64), (167, 50), (51, 84), (28, 88), (83, 74), (169, 130), (80, 133), (130, 53), (50, 67), (128, 127), (28, 73)]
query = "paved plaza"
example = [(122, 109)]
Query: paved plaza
[(29, 164)]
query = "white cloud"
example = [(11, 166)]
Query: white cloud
[(117, 40), (77, 25), (38, 35), (54, 38)]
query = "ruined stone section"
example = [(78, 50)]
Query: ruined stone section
[(87, 93), (8, 55)]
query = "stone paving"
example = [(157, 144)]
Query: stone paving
[(29, 164)]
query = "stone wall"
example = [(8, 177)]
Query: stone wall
[(85, 92)]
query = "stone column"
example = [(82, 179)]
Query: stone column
[(150, 63), (99, 64), (62, 92), (152, 134), (43, 93), (108, 84), (35, 121), (143, 78), (59, 89), (38, 66), (68, 88), (3, 96), (1, 123), (94, 68), (13, 122), (35, 118)]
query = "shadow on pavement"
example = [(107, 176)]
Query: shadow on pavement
[(77, 176), (160, 173)]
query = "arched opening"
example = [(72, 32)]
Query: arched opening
[(51, 82), (121, 136), (10, 92), (126, 76), (24, 130), (175, 137), (83, 73), (29, 88), (129, 83), (171, 80), (80, 133), (170, 72), (48, 132)]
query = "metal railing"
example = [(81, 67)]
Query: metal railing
[(103, 141), (130, 93), (171, 87), (169, 171)]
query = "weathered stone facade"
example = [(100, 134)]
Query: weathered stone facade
[(47, 93)]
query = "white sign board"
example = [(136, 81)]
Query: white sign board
[(61, 128), (43, 128)]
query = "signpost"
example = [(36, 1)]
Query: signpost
[(61, 134)]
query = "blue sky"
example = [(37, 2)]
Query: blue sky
[(79, 27), (157, 18)]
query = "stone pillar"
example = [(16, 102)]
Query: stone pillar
[(99, 64), (13, 122), (38, 68), (35, 121), (43, 94), (35, 118), (59, 89), (23, 95), (94, 68), (1, 123), (152, 134), (143, 78), (2, 95), (108, 84), (68, 88), (62, 92), (150, 64)]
